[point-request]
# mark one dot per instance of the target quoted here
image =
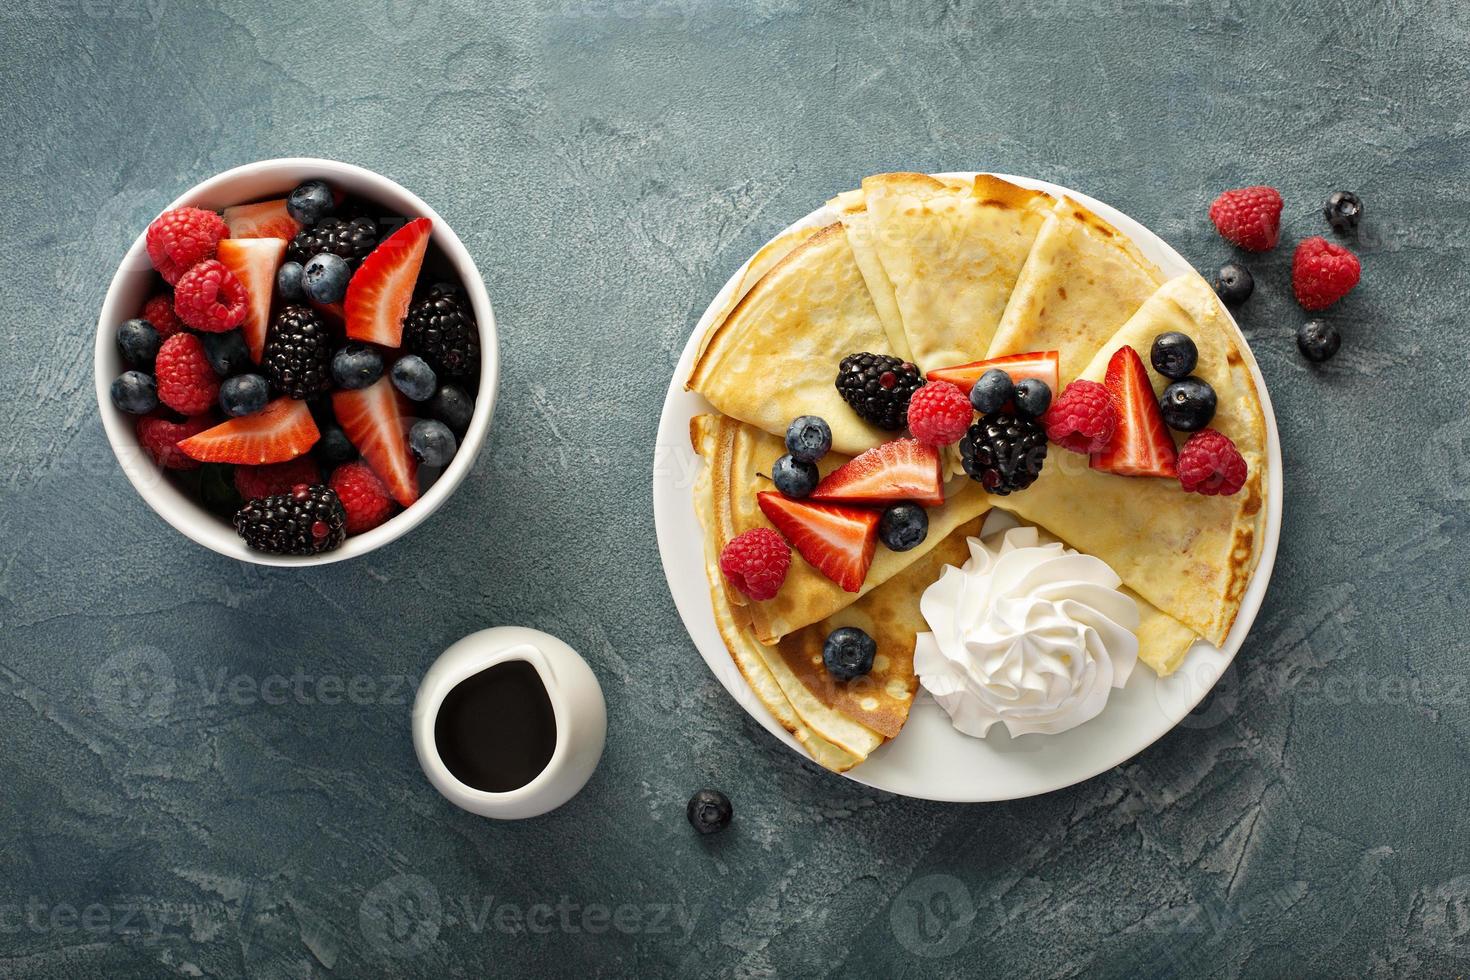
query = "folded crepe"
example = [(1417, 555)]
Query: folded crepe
[(776, 355), (737, 459), (951, 254), (1082, 280), (1163, 641), (1188, 554), (851, 207), (839, 723), (759, 264)]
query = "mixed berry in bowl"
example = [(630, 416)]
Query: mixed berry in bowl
[(304, 367)]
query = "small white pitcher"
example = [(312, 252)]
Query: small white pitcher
[(576, 699)]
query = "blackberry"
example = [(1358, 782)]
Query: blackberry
[(351, 240), (306, 521), (1004, 453), (298, 353), (441, 329), (878, 387)]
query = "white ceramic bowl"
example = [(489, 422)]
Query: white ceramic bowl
[(135, 280)]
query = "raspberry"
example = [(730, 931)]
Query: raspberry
[(1210, 464), (274, 478), (939, 414), (186, 382), (756, 562), (180, 239), (1083, 419), (160, 439), (363, 496), (1249, 217), (1322, 273), (210, 298), (159, 311)]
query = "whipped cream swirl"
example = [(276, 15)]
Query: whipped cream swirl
[(1031, 635)]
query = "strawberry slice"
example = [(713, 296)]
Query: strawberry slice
[(904, 469), (1141, 444), (381, 289), (254, 262), (838, 541), (376, 419), (282, 430), (1044, 365), (268, 219)]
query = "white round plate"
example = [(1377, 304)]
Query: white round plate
[(929, 759)]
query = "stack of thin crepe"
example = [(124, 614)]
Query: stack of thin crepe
[(944, 272)]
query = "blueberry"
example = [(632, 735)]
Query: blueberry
[(709, 811), (1174, 354), (848, 653), (1234, 284), (1188, 404), (227, 352), (413, 376), (244, 394), (334, 447), (903, 526), (808, 438), (1343, 211), (1318, 340), (138, 341), (356, 366), (793, 477), (309, 202), (1032, 397), (324, 278), (288, 282), (135, 393), (453, 407), (992, 391), (431, 442)]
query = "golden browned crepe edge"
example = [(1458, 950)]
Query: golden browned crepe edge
[(1247, 534), (705, 363), (733, 626), (760, 263), (802, 650), (1096, 224)]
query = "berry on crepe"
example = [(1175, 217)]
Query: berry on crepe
[(904, 469), (756, 563), (939, 414), (837, 541), (1210, 464), (1083, 419), (1042, 365), (1140, 444)]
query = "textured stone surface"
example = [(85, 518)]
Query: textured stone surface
[(609, 164)]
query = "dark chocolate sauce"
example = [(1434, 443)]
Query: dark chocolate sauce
[(496, 730)]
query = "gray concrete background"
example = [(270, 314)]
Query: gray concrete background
[(609, 164)]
